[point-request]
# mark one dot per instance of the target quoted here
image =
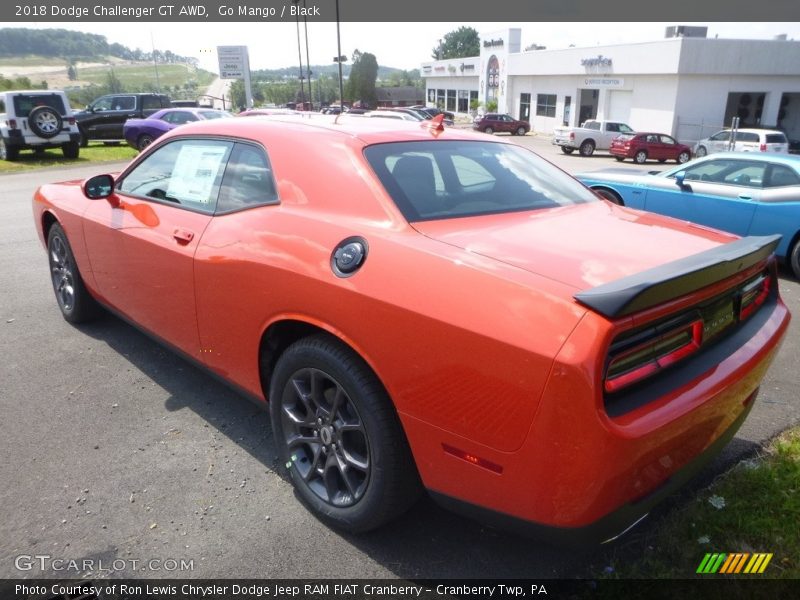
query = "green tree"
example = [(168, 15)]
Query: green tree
[(461, 43), (363, 74)]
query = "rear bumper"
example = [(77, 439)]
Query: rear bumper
[(22, 143)]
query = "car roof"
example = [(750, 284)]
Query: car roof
[(792, 160), (361, 131)]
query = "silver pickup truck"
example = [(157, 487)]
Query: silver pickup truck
[(593, 135)]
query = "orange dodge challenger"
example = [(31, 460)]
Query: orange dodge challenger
[(426, 308)]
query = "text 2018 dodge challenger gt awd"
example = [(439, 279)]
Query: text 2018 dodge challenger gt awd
[(429, 308)]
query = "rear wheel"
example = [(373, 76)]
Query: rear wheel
[(71, 149), (84, 140), (488, 130), (74, 300), (521, 131), (587, 148), (7, 153), (701, 151), (794, 259), (640, 157), (683, 157), (567, 149), (337, 433)]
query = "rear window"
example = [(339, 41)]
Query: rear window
[(776, 138), (449, 179), (25, 103)]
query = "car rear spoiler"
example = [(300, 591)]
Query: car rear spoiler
[(678, 278)]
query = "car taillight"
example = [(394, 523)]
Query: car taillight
[(753, 295), (12, 123), (71, 120), (763, 147), (572, 135), (659, 350)]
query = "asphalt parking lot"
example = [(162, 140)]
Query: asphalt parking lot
[(116, 450)]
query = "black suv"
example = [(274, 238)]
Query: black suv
[(103, 119)]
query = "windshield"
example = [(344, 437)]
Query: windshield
[(446, 179)]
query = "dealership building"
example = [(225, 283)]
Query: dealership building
[(685, 84)]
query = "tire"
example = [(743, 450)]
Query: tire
[(84, 140), (619, 158), (327, 405), (609, 195), (8, 153), (794, 259), (683, 157), (701, 151), (567, 149), (45, 122), (488, 130), (640, 157), (521, 131), (71, 149), (74, 300), (587, 148), (144, 141)]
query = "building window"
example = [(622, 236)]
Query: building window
[(525, 107), (451, 100), (440, 99), (545, 105), (463, 101)]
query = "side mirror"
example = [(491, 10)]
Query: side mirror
[(679, 177), (100, 186)]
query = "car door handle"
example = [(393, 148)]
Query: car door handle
[(745, 197), (184, 236)]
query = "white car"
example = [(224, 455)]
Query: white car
[(747, 140), (37, 120)]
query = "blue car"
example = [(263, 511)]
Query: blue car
[(746, 193)]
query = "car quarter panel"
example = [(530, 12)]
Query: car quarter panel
[(458, 340)]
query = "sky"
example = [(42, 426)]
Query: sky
[(400, 45)]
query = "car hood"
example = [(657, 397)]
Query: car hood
[(582, 246)]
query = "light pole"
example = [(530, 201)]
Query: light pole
[(300, 55), (308, 60), (339, 58)]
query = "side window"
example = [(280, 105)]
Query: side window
[(746, 136), (665, 139), (2, 105), (781, 176), (721, 136), (124, 103), (248, 180), (187, 173), (150, 103), (747, 174), (652, 139), (624, 128), (612, 128), (103, 103)]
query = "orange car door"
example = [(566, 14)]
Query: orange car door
[(143, 239)]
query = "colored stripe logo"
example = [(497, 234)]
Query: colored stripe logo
[(733, 563)]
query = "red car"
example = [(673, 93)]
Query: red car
[(496, 123), (642, 147), (423, 308)]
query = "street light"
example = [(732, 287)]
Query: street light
[(300, 55), (340, 58)]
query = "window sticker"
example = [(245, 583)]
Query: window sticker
[(195, 172)]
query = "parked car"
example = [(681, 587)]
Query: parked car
[(586, 381), (642, 147), (140, 133), (592, 135), (744, 193), (494, 122), (394, 114), (261, 112), (36, 120), (746, 140), (418, 115), (104, 118), (449, 117)]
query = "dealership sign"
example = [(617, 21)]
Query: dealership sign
[(604, 82), (233, 61)]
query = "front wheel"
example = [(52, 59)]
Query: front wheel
[(488, 130), (587, 148), (567, 149), (521, 131), (71, 149), (144, 141), (794, 259), (337, 434), (8, 153), (609, 195), (74, 300), (701, 151), (683, 157), (640, 157)]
